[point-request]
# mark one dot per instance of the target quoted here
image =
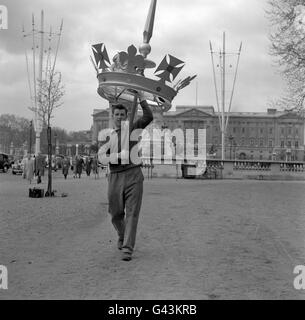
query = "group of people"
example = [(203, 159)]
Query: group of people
[(34, 166), (90, 164)]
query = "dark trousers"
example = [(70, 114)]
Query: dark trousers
[(125, 190)]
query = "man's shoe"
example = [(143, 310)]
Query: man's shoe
[(120, 244), (126, 256)]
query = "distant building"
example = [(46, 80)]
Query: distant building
[(271, 135), (100, 121)]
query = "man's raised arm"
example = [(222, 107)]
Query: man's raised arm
[(147, 117)]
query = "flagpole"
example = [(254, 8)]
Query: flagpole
[(223, 99), (38, 128)]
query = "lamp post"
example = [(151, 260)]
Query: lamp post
[(30, 144), (56, 144), (234, 149), (231, 139)]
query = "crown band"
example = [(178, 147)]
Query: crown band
[(116, 86)]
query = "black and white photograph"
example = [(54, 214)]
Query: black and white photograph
[(152, 151)]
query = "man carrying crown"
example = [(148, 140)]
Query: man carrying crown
[(125, 182)]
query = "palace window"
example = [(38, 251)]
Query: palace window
[(270, 130), (261, 130), (252, 141), (282, 144), (270, 143), (289, 144), (261, 142), (296, 144), (282, 131), (289, 131), (243, 130)]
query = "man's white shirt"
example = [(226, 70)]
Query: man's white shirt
[(112, 144)]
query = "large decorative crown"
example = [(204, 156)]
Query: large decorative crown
[(119, 80)]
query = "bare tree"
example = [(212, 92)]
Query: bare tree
[(288, 46), (49, 98)]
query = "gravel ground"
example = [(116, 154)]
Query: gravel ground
[(197, 239)]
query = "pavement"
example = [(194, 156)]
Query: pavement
[(197, 239)]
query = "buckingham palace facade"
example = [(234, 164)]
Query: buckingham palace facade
[(270, 135)]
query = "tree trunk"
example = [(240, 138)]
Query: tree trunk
[(49, 191)]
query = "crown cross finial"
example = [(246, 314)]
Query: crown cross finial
[(131, 61)]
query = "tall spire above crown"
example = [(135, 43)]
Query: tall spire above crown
[(145, 48)]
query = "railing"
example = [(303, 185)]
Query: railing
[(227, 169), (263, 169), (292, 167), (250, 165)]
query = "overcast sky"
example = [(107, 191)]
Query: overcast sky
[(182, 28)]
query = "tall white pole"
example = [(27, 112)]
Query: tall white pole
[(232, 92), (34, 83), (223, 99), (223, 119), (41, 57), (38, 112), (215, 85), (196, 93)]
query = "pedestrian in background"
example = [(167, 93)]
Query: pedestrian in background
[(74, 166), (94, 164), (40, 164), (65, 167), (23, 163), (88, 166), (79, 166), (29, 168)]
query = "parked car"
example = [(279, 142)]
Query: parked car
[(4, 162), (17, 168)]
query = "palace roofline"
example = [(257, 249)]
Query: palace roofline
[(209, 110)]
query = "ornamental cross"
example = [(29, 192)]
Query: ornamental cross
[(169, 68), (100, 55)]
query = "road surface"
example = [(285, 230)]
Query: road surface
[(197, 239)]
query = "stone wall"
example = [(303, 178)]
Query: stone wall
[(216, 169)]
